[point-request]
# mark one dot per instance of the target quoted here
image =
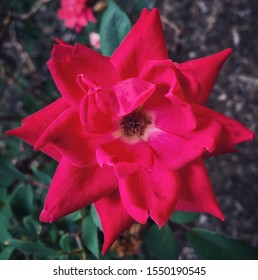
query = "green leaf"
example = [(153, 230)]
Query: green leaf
[(6, 253), (95, 217), (3, 196), (34, 248), (114, 27), (140, 4), (22, 200), (90, 236), (5, 209), (65, 243), (73, 217), (215, 246), (4, 234), (8, 172), (32, 227), (42, 176), (161, 242), (183, 217)]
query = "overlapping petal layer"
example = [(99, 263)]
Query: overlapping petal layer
[(80, 61), (117, 220), (143, 43), (205, 71), (196, 193), (35, 125), (142, 191), (73, 188)]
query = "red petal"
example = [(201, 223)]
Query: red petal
[(61, 50), (176, 151), (160, 72), (196, 191), (34, 126), (113, 217), (232, 134), (166, 76), (150, 193), (175, 117), (125, 158), (92, 117), (144, 42), (205, 71), (70, 139), (83, 60), (73, 188), (131, 94)]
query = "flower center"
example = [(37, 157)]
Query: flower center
[(135, 123)]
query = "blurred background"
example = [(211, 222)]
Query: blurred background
[(193, 28)]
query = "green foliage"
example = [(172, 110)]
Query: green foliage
[(214, 246), (90, 236), (95, 217), (113, 28), (37, 249), (183, 217), (140, 4), (65, 243), (161, 243), (22, 200), (8, 172), (4, 234)]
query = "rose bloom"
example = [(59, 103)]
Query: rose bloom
[(75, 14), (131, 131), (95, 40)]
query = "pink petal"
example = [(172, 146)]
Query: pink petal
[(82, 61), (89, 15), (92, 117), (159, 72), (131, 94), (113, 217), (70, 139), (95, 66), (175, 117), (125, 158), (233, 132), (150, 193), (144, 42), (166, 76), (196, 191), (73, 188), (34, 126), (176, 151), (205, 71), (61, 50)]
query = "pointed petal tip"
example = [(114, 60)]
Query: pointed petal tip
[(226, 52), (38, 145), (158, 220), (217, 213), (60, 41), (13, 132), (104, 249), (8, 132), (45, 217), (250, 135)]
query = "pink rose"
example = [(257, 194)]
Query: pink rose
[(131, 132), (95, 40), (75, 14)]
